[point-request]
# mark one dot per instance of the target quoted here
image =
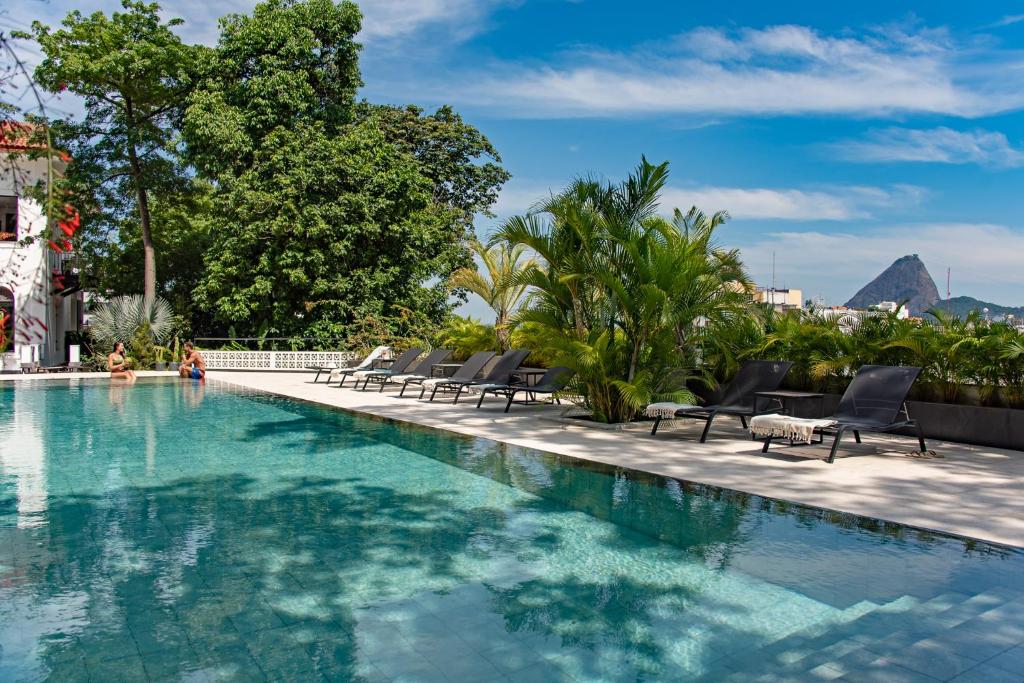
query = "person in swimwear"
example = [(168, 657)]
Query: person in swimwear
[(193, 364), (118, 364)]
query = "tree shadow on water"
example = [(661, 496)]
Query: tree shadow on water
[(208, 576)]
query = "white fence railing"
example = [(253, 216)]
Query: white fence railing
[(275, 360)]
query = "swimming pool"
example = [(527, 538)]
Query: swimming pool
[(170, 530)]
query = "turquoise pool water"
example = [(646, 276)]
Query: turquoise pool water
[(175, 531)]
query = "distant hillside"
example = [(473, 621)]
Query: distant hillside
[(905, 280), (960, 306)]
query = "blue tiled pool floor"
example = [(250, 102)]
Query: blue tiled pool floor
[(175, 531)]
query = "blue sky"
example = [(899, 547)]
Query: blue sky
[(840, 136)]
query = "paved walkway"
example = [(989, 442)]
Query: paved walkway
[(973, 491)]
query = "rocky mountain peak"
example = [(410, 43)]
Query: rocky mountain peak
[(906, 279)]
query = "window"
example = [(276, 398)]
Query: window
[(6, 319), (8, 219)]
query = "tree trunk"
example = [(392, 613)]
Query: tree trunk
[(148, 252)]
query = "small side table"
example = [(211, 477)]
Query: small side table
[(444, 369), (528, 376), (786, 398)]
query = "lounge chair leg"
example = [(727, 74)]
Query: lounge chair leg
[(707, 428), (381, 390), (458, 392), (743, 421), (432, 393), (481, 401), (657, 423), (856, 436), (402, 392), (920, 436), (341, 383), (835, 446), (767, 442), (511, 398)]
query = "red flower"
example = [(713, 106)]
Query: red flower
[(56, 247)]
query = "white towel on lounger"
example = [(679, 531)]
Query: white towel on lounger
[(666, 410), (404, 378), (433, 381), (787, 427)]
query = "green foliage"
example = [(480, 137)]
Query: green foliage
[(133, 73), (121, 318), (141, 349), (465, 336), (624, 296), (495, 282), (827, 350), (331, 218)]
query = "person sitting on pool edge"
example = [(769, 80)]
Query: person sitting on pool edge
[(193, 364), (118, 364)]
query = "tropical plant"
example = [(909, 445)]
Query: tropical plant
[(465, 336), (494, 283), (624, 295), (120, 319), (141, 349)]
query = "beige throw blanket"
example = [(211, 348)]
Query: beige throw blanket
[(666, 410), (786, 427)]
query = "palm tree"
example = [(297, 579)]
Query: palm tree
[(495, 284), (624, 295)]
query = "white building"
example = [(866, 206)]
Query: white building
[(891, 307), (39, 312)]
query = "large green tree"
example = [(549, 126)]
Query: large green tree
[(133, 73), (329, 212)]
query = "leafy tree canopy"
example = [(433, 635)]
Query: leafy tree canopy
[(328, 211), (133, 73)]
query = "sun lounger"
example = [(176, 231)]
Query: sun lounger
[(421, 370), (875, 401), (468, 370), (401, 364), (555, 379), (500, 374), (739, 398), (342, 373)]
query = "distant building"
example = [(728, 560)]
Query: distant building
[(780, 299), (891, 307), (38, 315)]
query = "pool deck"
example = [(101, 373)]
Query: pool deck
[(970, 490)]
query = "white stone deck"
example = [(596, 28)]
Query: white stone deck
[(969, 490)]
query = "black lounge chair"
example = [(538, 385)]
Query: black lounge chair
[(875, 401), (370, 362), (739, 398), (555, 379), (421, 370), (501, 373), (401, 364), (468, 370)]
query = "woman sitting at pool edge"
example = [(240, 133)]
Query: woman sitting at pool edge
[(118, 364), (193, 364)]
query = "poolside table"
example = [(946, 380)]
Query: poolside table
[(444, 369), (528, 376)]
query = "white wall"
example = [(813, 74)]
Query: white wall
[(26, 271)]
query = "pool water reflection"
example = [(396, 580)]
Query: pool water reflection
[(172, 530)]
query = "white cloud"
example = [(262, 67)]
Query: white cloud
[(833, 204), (1008, 20), (939, 145), (390, 19), (984, 258), (778, 70), (828, 203)]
